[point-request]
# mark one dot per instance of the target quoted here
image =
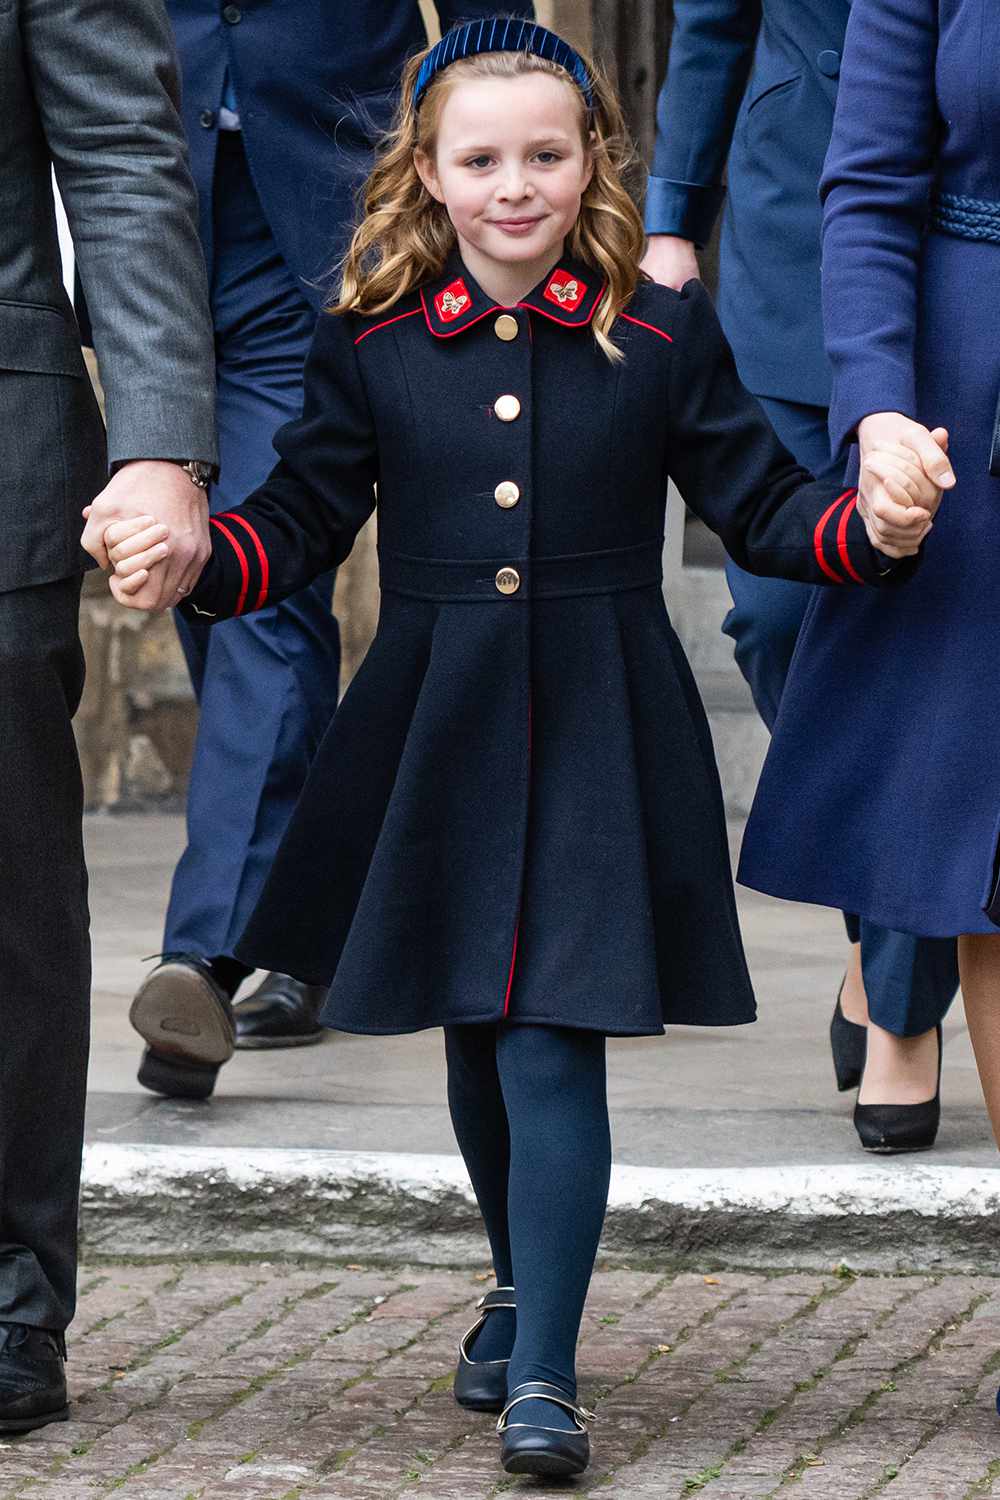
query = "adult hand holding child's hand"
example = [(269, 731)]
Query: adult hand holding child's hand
[(904, 469)]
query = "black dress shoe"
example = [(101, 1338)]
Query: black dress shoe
[(849, 1044), (32, 1377), (549, 1452), (186, 1018), (481, 1384), (281, 1012), (889, 1129)]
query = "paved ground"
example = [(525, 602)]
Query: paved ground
[(275, 1382), (749, 1096)]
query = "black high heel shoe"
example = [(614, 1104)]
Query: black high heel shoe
[(549, 1452), (849, 1045), (892, 1128), (481, 1384)]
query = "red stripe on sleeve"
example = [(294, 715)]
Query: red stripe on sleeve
[(845, 517), (265, 567), (818, 538), (241, 558)]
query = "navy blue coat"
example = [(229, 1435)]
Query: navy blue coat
[(754, 81), (316, 81), (516, 810), (881, 794)]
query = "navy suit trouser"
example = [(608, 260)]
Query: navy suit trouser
[(266, 683), (910, 981)]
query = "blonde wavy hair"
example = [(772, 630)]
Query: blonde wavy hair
[(404, 236)]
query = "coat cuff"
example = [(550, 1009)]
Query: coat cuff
[(237, 577), (846, 556), (687, 209), (858, 394)]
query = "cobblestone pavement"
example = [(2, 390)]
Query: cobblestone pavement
[(200, 1381)]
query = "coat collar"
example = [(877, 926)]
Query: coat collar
[(453, 302)]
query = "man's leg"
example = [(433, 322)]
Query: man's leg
[(44, 955), (267, 683), (270, 679)]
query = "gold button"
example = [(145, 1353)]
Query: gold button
[(505, 327), (507, 494), (507, 408), (508, 580)]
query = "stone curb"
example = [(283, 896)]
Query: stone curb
[(367, 1206)]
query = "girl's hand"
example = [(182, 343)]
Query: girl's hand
[(896, 499), (134, 547)]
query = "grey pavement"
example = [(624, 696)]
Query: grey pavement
[(751, 1096)]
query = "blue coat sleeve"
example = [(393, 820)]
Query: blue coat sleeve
[(711, 54), (876, 187), (774, 518), (304, 518)]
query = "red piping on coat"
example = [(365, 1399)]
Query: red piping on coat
[(652, 328), (397, 319), (842, 538), (265, 567), (818, 538), (242, 560), (517, 927)]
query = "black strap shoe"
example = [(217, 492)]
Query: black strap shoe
[(481, 1384), (32, 1377), (549, 1452), (186, 1018), (281, 1012), (890, 1129)]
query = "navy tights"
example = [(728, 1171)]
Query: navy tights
[(530, 1111)]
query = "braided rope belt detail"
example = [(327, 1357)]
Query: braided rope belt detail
[(968, 218)]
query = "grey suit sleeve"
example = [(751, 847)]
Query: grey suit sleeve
[(106, 83)]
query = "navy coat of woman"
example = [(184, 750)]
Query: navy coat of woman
[(516, 810), (881, 793)]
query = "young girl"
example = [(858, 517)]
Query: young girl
[(513, 828)]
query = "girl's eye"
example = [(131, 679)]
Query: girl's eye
[(548, 157), (478, 161)]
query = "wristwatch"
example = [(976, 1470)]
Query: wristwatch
[(198, 471)]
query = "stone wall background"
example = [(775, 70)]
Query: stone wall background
[(137, 722)]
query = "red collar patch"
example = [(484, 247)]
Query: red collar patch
[(565, 290), (453, 302)]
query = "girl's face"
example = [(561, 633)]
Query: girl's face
[(510, 167)]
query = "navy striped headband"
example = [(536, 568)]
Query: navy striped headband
[(502, 34)]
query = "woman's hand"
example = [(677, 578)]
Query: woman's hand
[(897, 500), (930, 448)]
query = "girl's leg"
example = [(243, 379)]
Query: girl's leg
[(979, 965), (555, 1090), (480, 1122)]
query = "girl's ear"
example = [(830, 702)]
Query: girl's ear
[(427, 173)]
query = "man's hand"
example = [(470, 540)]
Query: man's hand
[(152, 488), (897, 500), (670, 260)]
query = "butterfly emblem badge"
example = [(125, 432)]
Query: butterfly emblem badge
[(453, 301), (566, 291)]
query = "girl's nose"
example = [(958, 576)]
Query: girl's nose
[(515, 187)]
